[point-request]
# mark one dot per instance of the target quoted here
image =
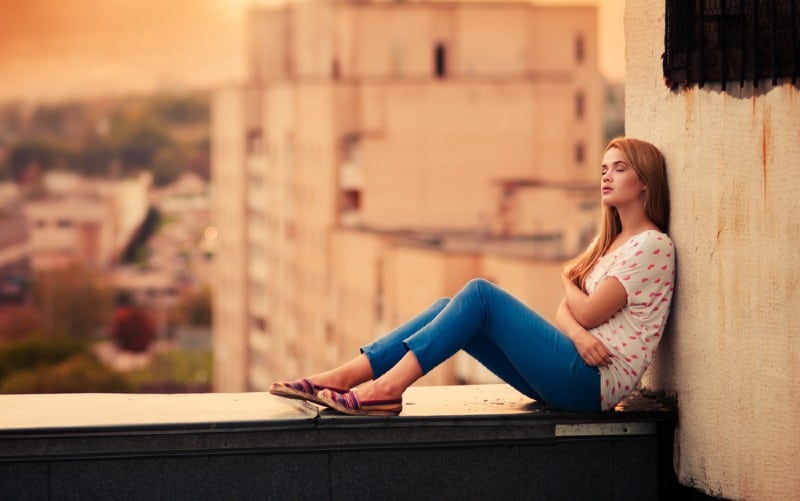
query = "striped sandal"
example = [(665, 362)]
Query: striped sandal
[(347, 402), (301, 389)]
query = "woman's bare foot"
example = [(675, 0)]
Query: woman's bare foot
[(393, 383), (340, 379)]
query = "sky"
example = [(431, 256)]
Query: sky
[(56, 49)]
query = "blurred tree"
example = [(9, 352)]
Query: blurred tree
[(11, 119), (59, 119), (182, 109), (198, 308), (138, 140), (137, 247), (74, 302), (18, 322), (169, 163), (175, 371), (78, 374), (32, 153), (132, 329), (36, 351), (199, 160), (95, 158)]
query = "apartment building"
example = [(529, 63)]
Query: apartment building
[(379, 155), (14, 263), (84, 220)]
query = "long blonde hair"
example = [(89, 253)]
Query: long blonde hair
[(649, 164)]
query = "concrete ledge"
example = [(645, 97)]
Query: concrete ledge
[(471, 442)]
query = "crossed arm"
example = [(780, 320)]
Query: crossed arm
[(579, 312)]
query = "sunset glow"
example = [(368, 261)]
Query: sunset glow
[(51, 49)]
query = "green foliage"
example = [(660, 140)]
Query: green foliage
[(79, 374), (177, 109), (198, 308), (17, 322), (177, 369), (166, 133), (36, 351), (138, 140), (169, 163), (33, 151), (137, 251), (95, 158), (59, 119)]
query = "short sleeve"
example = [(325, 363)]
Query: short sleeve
[(646, 269)]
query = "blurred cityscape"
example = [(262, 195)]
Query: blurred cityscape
[(105, 245), (373, 157)]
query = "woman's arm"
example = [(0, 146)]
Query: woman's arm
[(591, 349), (591, 311)]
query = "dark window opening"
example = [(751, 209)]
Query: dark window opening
[(440, 61), (580, 52), (259, 323), (255, 144), (579, 153), (731, 41), (579, 105), (351, 200)]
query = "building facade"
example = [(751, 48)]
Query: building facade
[(84, 220), (379, 155), (731, 355), (14, 252)]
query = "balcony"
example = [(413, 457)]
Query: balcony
[(461, 442)]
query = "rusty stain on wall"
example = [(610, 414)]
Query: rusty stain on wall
[(688, 99), (766, 133)]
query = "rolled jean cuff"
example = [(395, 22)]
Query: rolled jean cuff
[(384, 358)]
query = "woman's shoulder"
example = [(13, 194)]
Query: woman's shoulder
[(651, 242)]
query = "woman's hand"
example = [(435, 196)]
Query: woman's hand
[(591, 349)]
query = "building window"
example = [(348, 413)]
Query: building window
[(580, 52), (579, 153), (440, 60), (731, 41), (351, 200), (255, 144), (579, 105)]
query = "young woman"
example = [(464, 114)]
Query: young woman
[(617, 296)]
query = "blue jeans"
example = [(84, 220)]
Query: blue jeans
[(507, 337)]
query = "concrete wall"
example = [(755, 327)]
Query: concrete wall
[(732, 355), (230, 307)]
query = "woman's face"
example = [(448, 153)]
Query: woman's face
[(620, 185)]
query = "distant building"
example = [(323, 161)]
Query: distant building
[(84, 220), (382, 153), (14, 253)]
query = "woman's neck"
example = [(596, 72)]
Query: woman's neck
[(633, 220)]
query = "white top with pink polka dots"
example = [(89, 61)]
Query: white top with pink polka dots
[(645, 266)]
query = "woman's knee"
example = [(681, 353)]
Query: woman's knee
[(479, 284), (441, 302)]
